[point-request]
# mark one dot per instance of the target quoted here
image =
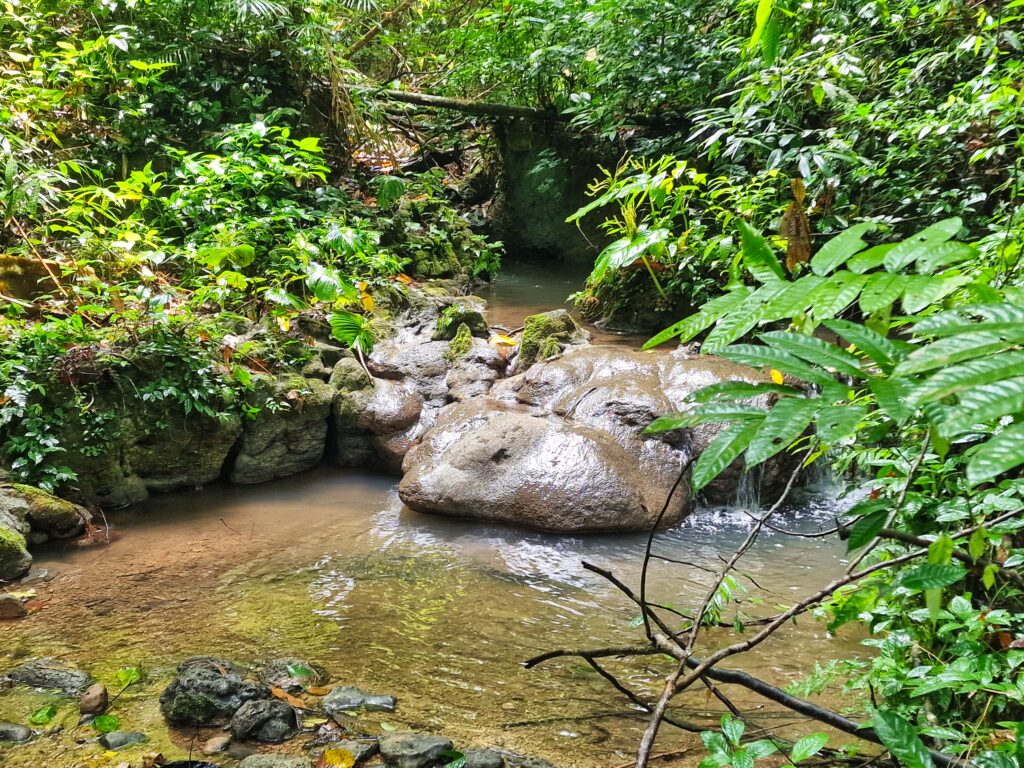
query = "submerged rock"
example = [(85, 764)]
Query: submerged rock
[(347, 698), (116, 740), (413, 750), (361, 751), (51, 675), (267, 720), (483, 758), (14, 732), (216, 744), (275, 761), (291, 674), (207, 692)]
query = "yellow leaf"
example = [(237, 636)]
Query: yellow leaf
[(776, 376), (337, 758), (501, 340), (404, 279), (283, 695), (284, 323), (319, 690), (367, 301), (21, 58), (313, 722)]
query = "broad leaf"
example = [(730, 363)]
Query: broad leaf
[(807, 747), (1000, 454), (721, 452), (865, 529), (689, 327), (900, 738), (932, 576), (786, 421), (758, 256), (840, 248)]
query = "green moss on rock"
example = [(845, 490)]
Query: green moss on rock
[(14, 557), (545, 335), (455, 315), (460, 344), (46, 515)]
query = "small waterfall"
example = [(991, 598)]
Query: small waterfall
[(748, 491)]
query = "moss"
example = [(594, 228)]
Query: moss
[(455, 315), (14, 556), (460, 345), (192, 709), (541, 333), (47, 512)]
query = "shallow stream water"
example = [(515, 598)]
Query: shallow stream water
[(328, 566)]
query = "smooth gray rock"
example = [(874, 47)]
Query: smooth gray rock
[(413, 750), (483, 758), (268, 720), (207, 692), (486, 462), (275, 761), (346, 698), (116, 740), (51, 675), (14, 732)]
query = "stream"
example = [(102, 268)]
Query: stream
[(329, 567)]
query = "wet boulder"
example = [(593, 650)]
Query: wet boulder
[(14, 557), (208, 691), (484, 461), (346, 698), (51, 675), (269, 720), (413, 750), (284, 441), (47, 516)]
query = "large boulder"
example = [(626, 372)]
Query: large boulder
[(283, 441), (46, 516), (14, 557), (485, 462), (208, 691)]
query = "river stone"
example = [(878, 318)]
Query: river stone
[(216, 744), (51, 675), (461, 313), (116, 740), (483, 758), (47, 516), (14, 557), (94, 700), (278, 673), (484, 462), (14, 732), (285, 441), (207, 692), (346, 698), (361, 751), (267, 720), (11, 607), (275, 761), (548, 333), (413, 750)]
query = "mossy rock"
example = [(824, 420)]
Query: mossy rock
[(546, 335), (460, 344), (47, 516), (455, 315), (14, 557), (349, 376)]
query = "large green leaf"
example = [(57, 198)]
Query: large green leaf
[(983, 403), (944, 254), (721, 452), (815, 351), (881, 350), (738, 390), (705, 414), (690, 326), (786, 421), (835, 423), (807, 747), (1000, 454), (893, 396), (840, 248), (881, 290), (932, 576), (742, 319), (793, 300), (946, 352), (900, 738), (870, 259), (923, 291), (998, 318), (758, 256), (625, 251), (865, 529), (760, 356), (919, 245), (837, 294), (973, 373), (324, 282)]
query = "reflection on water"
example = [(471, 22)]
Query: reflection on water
[(330, 567)]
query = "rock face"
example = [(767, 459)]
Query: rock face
[(51, 675), (208, 692), (285, 441), (559, 446)]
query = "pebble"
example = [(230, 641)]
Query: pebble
[(216, 744), (14, 732), (12, 608), (116, 740), (94, 700)]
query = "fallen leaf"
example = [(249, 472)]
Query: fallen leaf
[(776, 376), (336, 758), (283, 695), (318, 690)]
